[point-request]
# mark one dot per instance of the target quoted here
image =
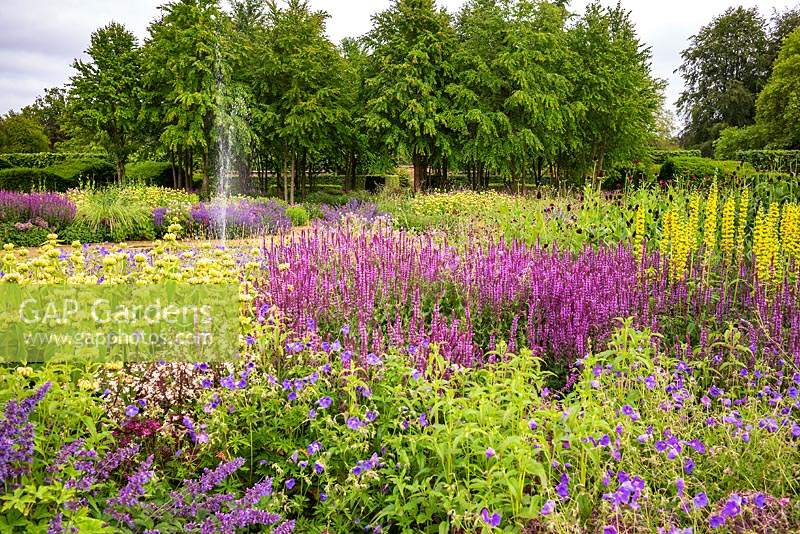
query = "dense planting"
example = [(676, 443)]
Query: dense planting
[(440, 380)]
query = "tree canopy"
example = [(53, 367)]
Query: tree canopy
[(517, 89), (104, 94)]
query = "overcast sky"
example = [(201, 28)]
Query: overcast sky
[(40, 38)]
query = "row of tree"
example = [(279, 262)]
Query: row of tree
[(521, 89), (741, 79)]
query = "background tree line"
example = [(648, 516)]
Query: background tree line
[(742, 76), (518, 89)]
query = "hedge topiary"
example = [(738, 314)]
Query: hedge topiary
[(97, 171), (298, 215), (40, 160), (772, 160), (26, 179), (660, 156), (702, 168), (149, 173)]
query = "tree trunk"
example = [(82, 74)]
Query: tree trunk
[(600, 162), (420, 167), (294, 178), (120, 171), (204, 189), (172, 168)]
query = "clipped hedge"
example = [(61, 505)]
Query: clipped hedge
[(98, 171), (659, 156), (4, 163), (62, 177), (27, 179), (41, 160), (149, 173), (702, 168), (787, 161)]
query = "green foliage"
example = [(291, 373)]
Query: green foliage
[(617, 93), (779, 102), (81, 230), (24, 179), (104, 95), (41, 160), (50, 111), (786, 161), (149, 173), (324, 197), (659, 156), (185, 64), (412, 44), (298, 214), (702, 168), (732, 141), (24, 235), (19, 133), (724, 69), (771, 187), (110, 211), (83, 171)]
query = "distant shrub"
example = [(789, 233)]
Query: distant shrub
[(29, 179), (733, 140), (82, 171), (40, 160), (660, 156), (157, 173), (693, 167), (324, 197), (298, 215), (81, 231), (787, 161)]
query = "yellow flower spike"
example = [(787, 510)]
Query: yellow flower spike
[(728, 227), (27, 372), (761, 248), (665, 245), (710, 223), (773, 229), (693, 222), (638, 240), (741, 223)]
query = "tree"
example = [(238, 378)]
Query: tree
[(724, 69), (783, 24), (104, 98), (50, 111), (359, 148), (733, 139), (779, 102), (186, 70), (615, 91), (538, 102), (412, 44), (306, 79), (481, 88), (19, 133)]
